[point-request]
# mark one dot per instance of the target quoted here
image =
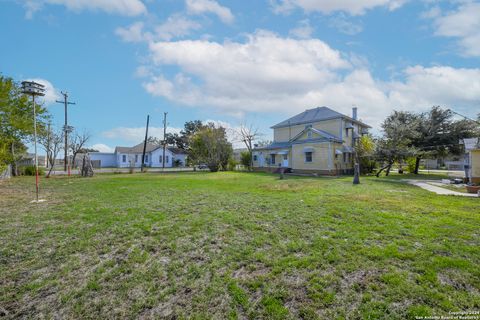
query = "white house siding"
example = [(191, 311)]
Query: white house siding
[(157, 154), (106, 159), (152, 159)]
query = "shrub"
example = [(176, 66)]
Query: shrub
[(246, 158), (411, 164), (177, 163), (30, 171), (232, 164)]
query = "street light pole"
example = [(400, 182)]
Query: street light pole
[(34, 89)]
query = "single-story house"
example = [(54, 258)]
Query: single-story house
[(318, 140), (124, 157), (472, 161)]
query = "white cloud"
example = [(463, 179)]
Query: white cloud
[(270, 74), (352, 7), (51, 93), (102, 147), (132, 33), (210, 6), (176, 26), (344, 25), (136, 135), (303, 31), (121, 7), (463, 24)]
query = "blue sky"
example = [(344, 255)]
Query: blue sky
[(235, 62)]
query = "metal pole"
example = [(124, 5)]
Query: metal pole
[(35, 144), (164, 137), (145, 143), (65, 95)]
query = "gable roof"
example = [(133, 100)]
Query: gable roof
[(321, 133), (314, 115), (150, 148), (138, 148)]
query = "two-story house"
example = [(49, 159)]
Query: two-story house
[(318, 140)]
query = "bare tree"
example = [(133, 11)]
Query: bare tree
[(52, 141), (248, 134), (77, 143)]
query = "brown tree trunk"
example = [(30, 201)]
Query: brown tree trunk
[(388, 166), (417, 164), (387, 172)]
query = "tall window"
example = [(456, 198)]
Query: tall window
[(166, 159), (136, 158), (285, 157), (344, 157), (308, 156), (124, 158), (146, 158), (273, 158), (161, 159), (255, 157)]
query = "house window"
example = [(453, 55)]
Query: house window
[(166, 159), (285, 157), (344, 157), (273, 158), (309, 134), (146, 158), (136, 158), (308, 156), (255, 157), (124, 158), (346, 132), (161, 159)]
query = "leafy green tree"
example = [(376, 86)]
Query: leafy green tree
[(365, 149), (246, 159), (399, 132), (16, 121), (438, 134), (209, 145)]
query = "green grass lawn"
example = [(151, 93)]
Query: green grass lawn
[(235, 245)]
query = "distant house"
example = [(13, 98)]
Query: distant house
[(318, 140), (124, 157), (237, 154), (29, 160), (472, 160)]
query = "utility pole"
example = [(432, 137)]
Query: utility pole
[(66, 129), (145, 143), (164, 137)]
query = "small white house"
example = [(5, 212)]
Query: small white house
[(124, 157)]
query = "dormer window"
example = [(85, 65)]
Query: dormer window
[(309, 134)]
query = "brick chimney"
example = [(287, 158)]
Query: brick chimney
[(354, 113)]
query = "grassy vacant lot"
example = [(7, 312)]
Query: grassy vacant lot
[(235, 245)]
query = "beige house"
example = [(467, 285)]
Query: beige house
[(317, 140), (472, 147)]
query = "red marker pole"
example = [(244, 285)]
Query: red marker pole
[(35, 143)]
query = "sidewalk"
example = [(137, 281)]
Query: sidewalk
[(425, 184)]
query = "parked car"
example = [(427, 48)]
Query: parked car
[(202, 166)]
